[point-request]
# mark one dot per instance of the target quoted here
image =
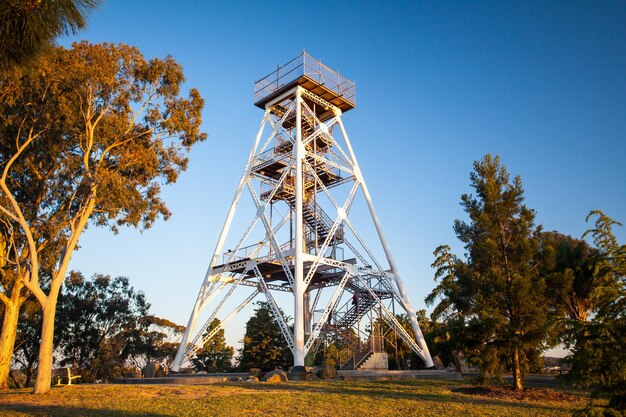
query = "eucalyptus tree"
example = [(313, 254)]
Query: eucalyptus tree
[(93, 318), (155, 339), (88, 137), (495, 291)]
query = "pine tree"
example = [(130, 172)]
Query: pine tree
[(599, 355), (215, 355), (495, 295), (264, 346)]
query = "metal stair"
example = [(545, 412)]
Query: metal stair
[(356, 361), (317, 220), (364, 302)]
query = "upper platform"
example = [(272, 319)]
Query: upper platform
[(311, 74)]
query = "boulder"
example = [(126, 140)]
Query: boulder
[(252, 379), (311, 378), (275, 376), (256, 372), (438, 363), (314, 370), (327, 372), (459, 361), (235, 379), (161, 372)]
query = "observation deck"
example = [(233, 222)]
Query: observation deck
[(310, 74)]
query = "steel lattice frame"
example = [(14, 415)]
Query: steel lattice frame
[(303, 167)]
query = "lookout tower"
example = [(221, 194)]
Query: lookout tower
[(303, 178)]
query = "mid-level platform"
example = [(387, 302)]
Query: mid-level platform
[(274, 273)]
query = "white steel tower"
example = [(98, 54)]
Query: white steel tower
[(303, 178)]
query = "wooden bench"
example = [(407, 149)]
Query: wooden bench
[(69, 378)]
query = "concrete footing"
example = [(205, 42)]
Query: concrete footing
[(390, 375), (184, 379)]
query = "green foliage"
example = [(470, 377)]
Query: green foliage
[(577, 283), (264, 346), (329, 353), (94, 131), (599, 355), (152, 340), (215, 355), (93, 318), (335, 349), (495, 296), (400, 354), (29, 27), (89, 136), (104, 327)]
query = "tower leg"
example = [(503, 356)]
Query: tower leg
[(200, 303), (299, 286), (396, 276)]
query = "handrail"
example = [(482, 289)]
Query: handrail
[(304, 65)]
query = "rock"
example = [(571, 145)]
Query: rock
[(328, 372), (151, 370), (161, 372), (235, 379), (256, 372), (311, 378), (315, 370), (438, 363), (252, 379), (459, 361), (275, 376)]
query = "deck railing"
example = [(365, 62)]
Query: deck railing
[(304, 65)]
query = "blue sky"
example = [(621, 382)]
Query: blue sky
[(439, 84)]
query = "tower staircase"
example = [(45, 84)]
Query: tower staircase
[(318, 222), (346, 317)]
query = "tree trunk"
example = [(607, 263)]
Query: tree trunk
[(517, 371), (44, 370), (7, 337)]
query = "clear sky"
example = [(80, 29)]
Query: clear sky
[(439, 84)]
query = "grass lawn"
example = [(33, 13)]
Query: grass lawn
[(332, 398)]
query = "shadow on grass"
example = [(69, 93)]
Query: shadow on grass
[(398, 390), (69, 411)]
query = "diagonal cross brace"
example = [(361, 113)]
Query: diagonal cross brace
[(277, 315), (393, 322), (329, 308), (192, 348), (338, 221), (270, 234)]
